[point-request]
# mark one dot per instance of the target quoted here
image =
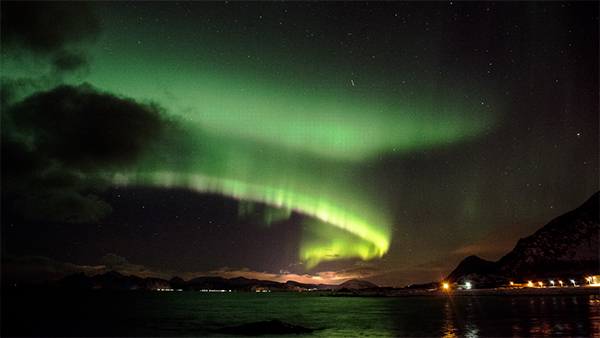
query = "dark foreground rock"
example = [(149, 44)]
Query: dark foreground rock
[(274, 326)]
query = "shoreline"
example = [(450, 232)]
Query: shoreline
[(549, 291)]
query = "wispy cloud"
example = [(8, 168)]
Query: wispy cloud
[(496, 244), (36, 269)]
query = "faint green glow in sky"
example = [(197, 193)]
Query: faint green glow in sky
[(340, 127), (299, 153), (344, 124), (294, 145)]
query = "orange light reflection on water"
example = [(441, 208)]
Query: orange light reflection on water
[(595, 315)]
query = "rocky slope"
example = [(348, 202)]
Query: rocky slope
[(471, 267), (568, 246)]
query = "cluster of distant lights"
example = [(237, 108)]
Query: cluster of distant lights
[(541, 284), (591, 281)]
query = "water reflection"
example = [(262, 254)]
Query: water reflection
[(594, 307), (471, 331), (555, 316), (497, 316), (470, 327), (455, 314), (516, 329), (541, 325), (449, 329)]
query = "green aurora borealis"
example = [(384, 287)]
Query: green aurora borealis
[(265, 146), (393, 130)]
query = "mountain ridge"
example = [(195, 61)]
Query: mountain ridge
[(566, 246), (114, 280)]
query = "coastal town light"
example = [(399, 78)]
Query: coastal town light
[(468, 285), (530, 284), (560, 282), (572, 281), (446, 286), (552, 282)]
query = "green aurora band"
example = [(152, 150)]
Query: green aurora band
[(262, 145), (294, 146), (369, 240)]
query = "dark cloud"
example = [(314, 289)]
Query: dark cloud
[(59, 148), (57, 30), (81, 127), (64, 206), (45, 27), (114, 262), (14, 90), (68, 62), (36, 269)]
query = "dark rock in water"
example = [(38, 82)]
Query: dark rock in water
[(274, 326)]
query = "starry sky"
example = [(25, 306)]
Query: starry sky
[(307, 141)]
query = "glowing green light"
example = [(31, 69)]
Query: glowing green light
[(292, 144), (372, 241), (332, 126), (247, 209), (295, 150), (324, 243), (265, 145)]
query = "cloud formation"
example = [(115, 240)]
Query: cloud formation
[(114, 262), (53, 30), (60, 143), (37, 269), (61, 146), (321, 277)]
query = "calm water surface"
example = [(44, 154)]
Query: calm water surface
[(147, 313)]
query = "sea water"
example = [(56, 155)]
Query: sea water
[(85, 313)]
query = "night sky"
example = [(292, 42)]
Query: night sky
[(311, 141)]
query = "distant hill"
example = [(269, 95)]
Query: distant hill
[(567, 247), (357, 284), (116, 281), (111, 280), (471, 266)]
